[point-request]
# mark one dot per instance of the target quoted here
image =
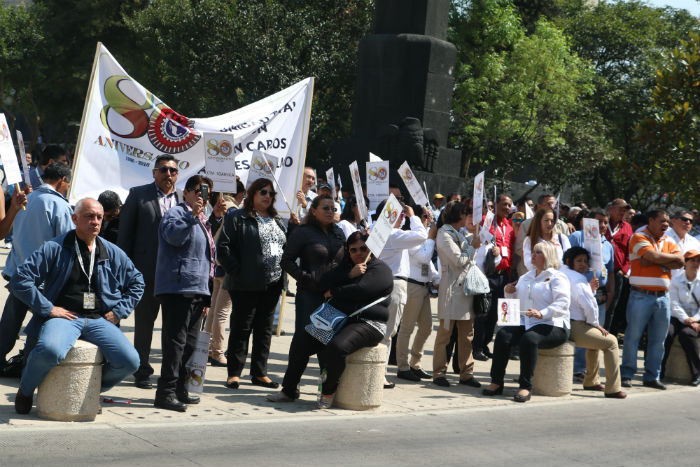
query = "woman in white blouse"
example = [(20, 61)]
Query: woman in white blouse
[(586, 331), (544, 295), (350, 220), (685, 314), (542, 230)]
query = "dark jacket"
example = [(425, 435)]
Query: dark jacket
[(351, 294), (239, 251), (318, 251)]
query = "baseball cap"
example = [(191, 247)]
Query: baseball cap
[(438, 196), (691, 254)]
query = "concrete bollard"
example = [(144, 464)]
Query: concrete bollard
[(71, 390), (554, 370), (361, 385), (677, 369)]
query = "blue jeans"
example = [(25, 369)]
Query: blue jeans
[(11, 324), (580, 352), (642, 310), (58, 335)]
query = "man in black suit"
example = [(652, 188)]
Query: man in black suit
[(138, 237)]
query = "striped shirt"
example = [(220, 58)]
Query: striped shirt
[(653, 277)]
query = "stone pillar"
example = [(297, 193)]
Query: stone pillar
[(677, 369), (361, 386), (554, 371)]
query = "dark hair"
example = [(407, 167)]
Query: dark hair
[(348, 214), (597, 212), (453, 212), (109, 200), (193, 181), (356, 237), (52, 151), (654, 213), (535, 231), (209, 182), (544, 196), (573, 252), (240, 187), (678, 214), (254, 187), (449, 196), (55, 171), (639, 220), (310, 218), (501, 196), (164, 158)]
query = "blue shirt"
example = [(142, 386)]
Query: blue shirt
[(576, 239)]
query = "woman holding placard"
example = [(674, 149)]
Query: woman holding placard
[(542, 230), (586, 332), (544, 295)]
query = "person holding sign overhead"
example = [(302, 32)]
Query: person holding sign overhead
[(545, 296)]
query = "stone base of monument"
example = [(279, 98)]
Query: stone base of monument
[(677, 369), (71, 390), (554, 370), (361, 386)]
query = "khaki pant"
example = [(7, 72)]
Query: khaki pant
[(398, 301), (465, 334), (417, 310), (585, 335), (217, 318)]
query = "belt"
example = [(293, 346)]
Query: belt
[(400, 278), (655, 293), (413, 281)]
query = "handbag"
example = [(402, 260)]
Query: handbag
[(327, 320), (482, 304)]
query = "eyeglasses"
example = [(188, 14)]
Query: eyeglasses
[(517, 221), (265, 192), (328, 208), (362, 249), (164, 169), (686, 219)]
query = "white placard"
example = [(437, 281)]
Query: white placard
[(377, 182), (330, 179), (219, 161), (374, 158), (412, 185), (196, 366), (478, 198), (485, 234), (266, 166), (384, 225), (8, 155), (357, 185), (508, 312), (23, 159), (591, 242), (529, 213)]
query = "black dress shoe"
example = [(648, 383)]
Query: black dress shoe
[(654, 383), (143, 383), (442, 382), (23, 404), (170, 402), (695, 381), (470, 382), (186, 398), (481, 356), (232, 384), (421, 373), (519, 398), (389, 385), (488, 353), (215, 362), (291, 294), (626, 383), (493, 392), (407, 375), (265, 384)]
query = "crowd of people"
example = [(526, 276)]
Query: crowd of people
[(208, 259)]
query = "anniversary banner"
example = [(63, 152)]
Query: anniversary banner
[(125, 128)]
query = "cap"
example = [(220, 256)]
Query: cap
[(620, 202), (438, 196), (691, 254), (324, 185)]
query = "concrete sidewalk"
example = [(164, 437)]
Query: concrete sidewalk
[(219, 403)]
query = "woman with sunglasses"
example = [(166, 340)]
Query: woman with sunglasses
[(250, 247), (350, 286)]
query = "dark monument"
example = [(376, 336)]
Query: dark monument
[(403, 95)]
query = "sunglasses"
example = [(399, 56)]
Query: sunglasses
[(164, 169), (328, 208), (517, 221), (362, 249), (686, 219), (265, 192)]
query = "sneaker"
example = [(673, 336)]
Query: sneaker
[(626, 382), (325, 401)]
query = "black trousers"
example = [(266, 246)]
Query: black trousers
[(542, 336), (253, 311), (145, 315), (182, 318), (485, 326), (616, 316), (353, 336), (688, 339)]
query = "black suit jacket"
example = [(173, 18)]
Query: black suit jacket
[(138, 229)]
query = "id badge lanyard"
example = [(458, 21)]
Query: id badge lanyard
[(89, 296)]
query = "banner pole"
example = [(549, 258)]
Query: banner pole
[(79, 143), (24, 208)]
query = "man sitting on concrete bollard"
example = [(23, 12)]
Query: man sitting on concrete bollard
[(88, 286)]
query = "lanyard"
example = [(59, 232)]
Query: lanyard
[(82, 265)]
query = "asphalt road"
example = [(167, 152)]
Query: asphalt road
[(652, 429)]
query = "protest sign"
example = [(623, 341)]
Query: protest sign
[(23, 159), (529, 213), (330, 179), (377, 182), (262, 166), (125, 128), (478, 198), (384, 225), (219, 163), (508, 312), (374, 158), (592, 243), (8, 155), (412, 185), (196, 366), (485, 234), (357, 185)]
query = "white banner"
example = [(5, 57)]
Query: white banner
[(508, 312), (382, 228), (412, 185), (218, 163), (591, 242), (478, 198), (330, 179), (8, 155), (377, 182), (357, 185), (125, 128)]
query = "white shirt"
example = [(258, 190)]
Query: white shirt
[(682, 304), (583, 303), (549, 293), (347, 227), (421, 266), (556, 238), (395, 252), (688, 243)]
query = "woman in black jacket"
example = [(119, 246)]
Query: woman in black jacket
[(350, 286)]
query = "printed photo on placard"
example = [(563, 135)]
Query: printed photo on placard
[(508, 312)]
